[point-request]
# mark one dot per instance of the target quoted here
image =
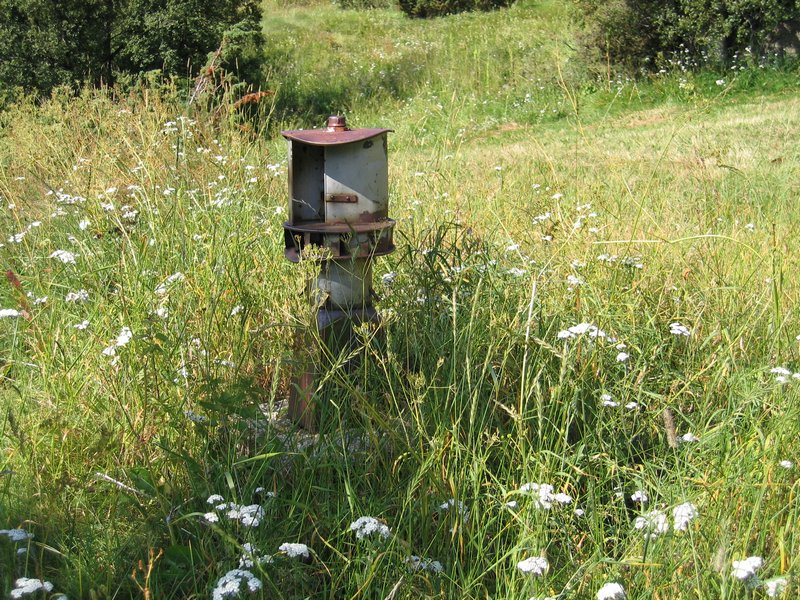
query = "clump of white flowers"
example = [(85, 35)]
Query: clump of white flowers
[(746, 569), (588, 329), (682, 515), (416, 563), (776, 586), (543, 496), (678, 329), (640, 496), (125, 336), (6, 313), (251, 557), (293, 550), (66, 257), (165, 286), (234, 582), (535, 565), (653, 524), (16, 535), (25, 586), (79, 296), (458, 505), (611, 591), (367, 526)]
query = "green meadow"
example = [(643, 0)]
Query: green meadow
[(589, 364)]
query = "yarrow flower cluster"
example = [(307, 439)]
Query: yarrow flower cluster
[(611, 591), (6, 313), (26, 586), (580, 329), (125, 336), (535, 565), (682, 515), (366, 526), (746, 569), (68, 258), (782, 374), (293, 550), (544, 496), (234, 582), (415, 563), (678, 329), (452, 503), (249, 515), (653, 524), (251, 557)]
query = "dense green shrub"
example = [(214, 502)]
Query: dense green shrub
[(46, 43), (436, 8), (650, 34)]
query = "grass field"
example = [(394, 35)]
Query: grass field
[(592, 350)]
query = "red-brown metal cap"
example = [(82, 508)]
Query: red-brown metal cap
[(336, 133)]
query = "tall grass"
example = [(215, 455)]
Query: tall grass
[(627, 208)]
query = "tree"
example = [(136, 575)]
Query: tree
[(45, 43)]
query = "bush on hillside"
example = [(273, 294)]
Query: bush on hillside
[(47, 43), (648, 34), (436, 8)]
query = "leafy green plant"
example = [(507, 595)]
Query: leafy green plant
[(437, 8)]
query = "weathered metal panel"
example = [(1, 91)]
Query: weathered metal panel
[(306, 165), (360, 169)]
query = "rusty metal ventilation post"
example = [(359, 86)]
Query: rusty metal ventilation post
[(338, 216)]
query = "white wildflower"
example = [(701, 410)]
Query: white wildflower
[(745, 569), (16, 535), (415, 563), (457, 505), (388, 278), (640, 496), (786, 464), (535, 565), (232, 583), (579, 512), (562, 498), (366, 526), (780, 371), (720, 82), (84, 224), (683, 514), (6, 313), (251, 557), (632, 405), (678, 329), (236, 310), (26, 586), (607, 401), (516, 272), (164, 287), (689, 437), (574, 281), (512, 504), (82, 325), (776, 586), (211, 517), (653, 524), (248, 516), (580, 329), (79, 296), (294, 550), (622, 356), (611, 591), (66, 257), (162, 312)]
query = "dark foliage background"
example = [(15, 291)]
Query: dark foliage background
[(647, 34), (47, 43)]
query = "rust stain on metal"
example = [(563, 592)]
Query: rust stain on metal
[(345, 198)]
